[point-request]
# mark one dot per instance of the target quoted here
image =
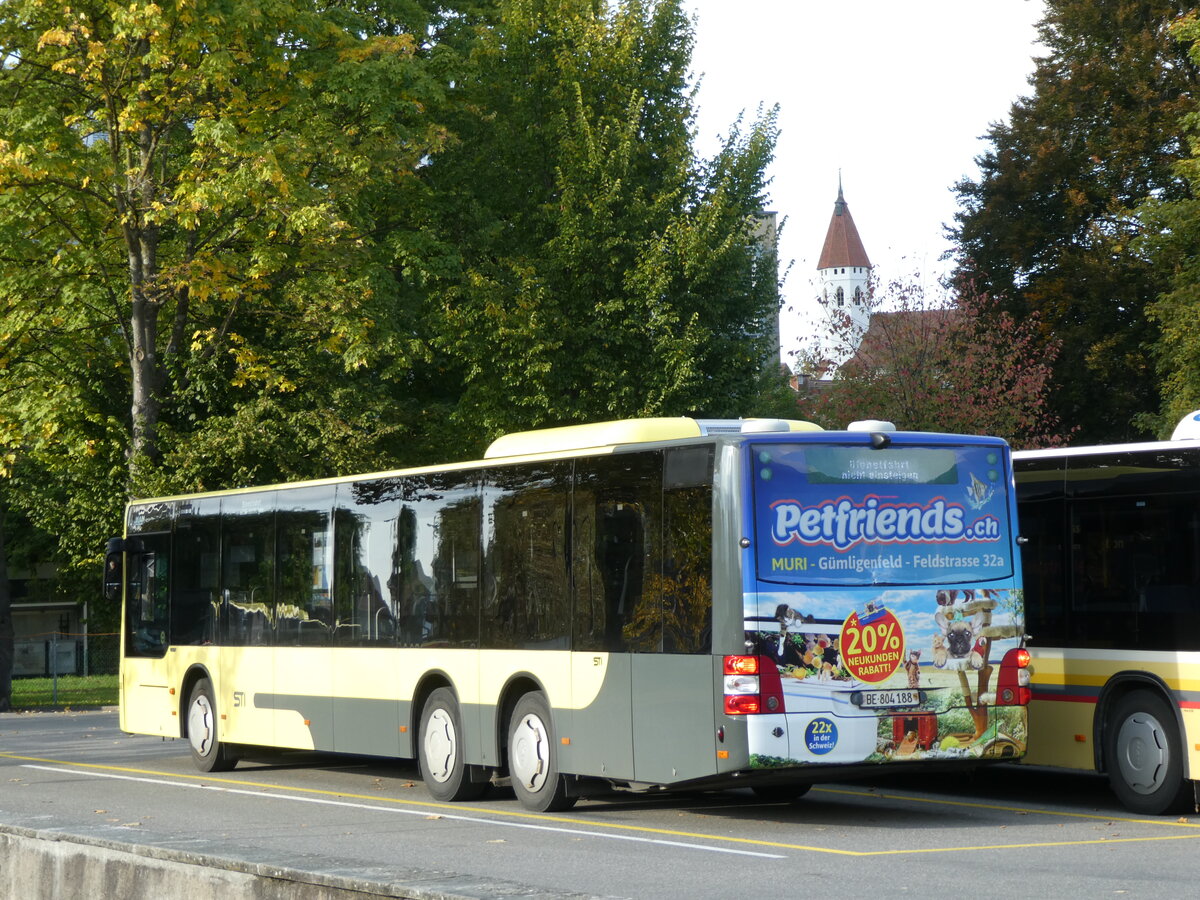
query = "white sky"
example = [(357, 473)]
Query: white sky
[(894, 94)]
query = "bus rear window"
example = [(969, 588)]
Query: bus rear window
[(854, 514)]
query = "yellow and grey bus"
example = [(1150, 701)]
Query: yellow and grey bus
[(648, 604), (1112, 577)]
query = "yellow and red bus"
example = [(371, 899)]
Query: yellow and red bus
[(1112, 577), (648, 604)]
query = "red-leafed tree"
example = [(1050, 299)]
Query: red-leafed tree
[(955, 361)]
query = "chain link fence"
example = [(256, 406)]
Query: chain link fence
[(59, 669)]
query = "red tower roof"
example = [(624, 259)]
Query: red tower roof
[(843, 246)]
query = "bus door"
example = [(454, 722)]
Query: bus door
[(605, 565), (643, 669), (674, 718), (145, 680)]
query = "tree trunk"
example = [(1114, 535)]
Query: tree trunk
[(144, 370), (135, 198)]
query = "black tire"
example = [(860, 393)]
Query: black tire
[(440, 751), (780, 793), (1144, 757), (533, 757), (209, 752)]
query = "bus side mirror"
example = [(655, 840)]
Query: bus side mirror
[(114, 553)]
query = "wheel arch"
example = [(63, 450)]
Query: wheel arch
[(195, 673), (1115, 689), (517, 686), (426, 685)]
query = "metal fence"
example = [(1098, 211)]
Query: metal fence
[(63, 669), (56, 653)]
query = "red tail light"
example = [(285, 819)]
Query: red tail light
[(741, 665), (752, 686), (1012, 686)]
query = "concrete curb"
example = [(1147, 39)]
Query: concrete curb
[(50, 865)]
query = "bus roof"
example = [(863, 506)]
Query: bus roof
[(592, 439), (1186, 435), (597, 435), (1092, 449)]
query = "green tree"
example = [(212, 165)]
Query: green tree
[(189, 241), (1171, 243), (590, 266), (1049, 223), (954, 362), (169, 173)]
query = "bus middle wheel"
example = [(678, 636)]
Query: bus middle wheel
[(533, 757), (440, 751)]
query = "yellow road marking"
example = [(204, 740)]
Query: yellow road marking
[(1020, 810), (673, 833)]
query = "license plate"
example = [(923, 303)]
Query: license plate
[(882, 699)]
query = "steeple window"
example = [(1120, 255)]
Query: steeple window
[(841, 297)]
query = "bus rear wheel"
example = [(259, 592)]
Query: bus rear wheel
[(1143, 755), (440, 752), (209, 753), (533, 757)]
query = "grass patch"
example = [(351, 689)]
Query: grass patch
[(72, 690)]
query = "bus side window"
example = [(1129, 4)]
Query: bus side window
[(196, 581), (439, 578), (1044, 556), (304, 562), (248, 569), (526, 591), (1044, 571), (1137, 579), (618, 553), (366, 588), (687, 550)]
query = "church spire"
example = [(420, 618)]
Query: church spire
[(843, 246), (844, 273)]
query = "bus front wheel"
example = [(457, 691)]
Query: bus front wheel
[(440, 752), (533, 757), (209, 753), (1143, 755)]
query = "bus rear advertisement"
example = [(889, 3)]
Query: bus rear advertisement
[(650, 604), (884, 591)]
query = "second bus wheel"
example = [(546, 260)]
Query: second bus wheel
[(533, 757), (440, 751), (1143, 755), (209, 753)]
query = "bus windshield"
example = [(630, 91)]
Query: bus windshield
[(835, 514)]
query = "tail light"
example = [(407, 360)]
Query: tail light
[(752, 686), (1012, 687)]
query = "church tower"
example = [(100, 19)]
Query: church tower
[(843, 270)]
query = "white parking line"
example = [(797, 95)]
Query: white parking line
[(574, 832)]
